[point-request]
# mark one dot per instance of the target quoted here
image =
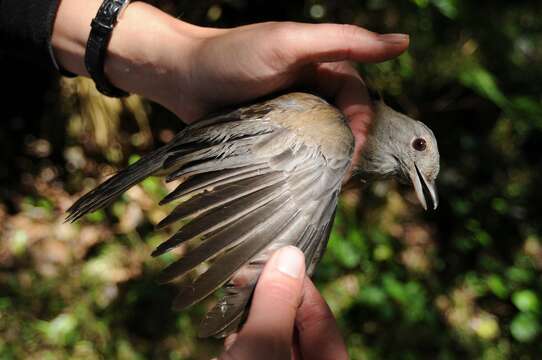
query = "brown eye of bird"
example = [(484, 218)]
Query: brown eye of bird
[(419, 144)]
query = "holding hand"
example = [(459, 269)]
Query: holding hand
[(193, 70), (288, 317)]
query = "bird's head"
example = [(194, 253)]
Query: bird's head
[(404, 148)]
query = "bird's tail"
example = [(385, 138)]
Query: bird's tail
[(108, 191)]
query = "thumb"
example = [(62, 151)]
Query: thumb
[(268, 331)]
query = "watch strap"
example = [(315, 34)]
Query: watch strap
[(96, 50)]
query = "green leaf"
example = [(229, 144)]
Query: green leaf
[(487, 327), (421, 3), (96, 216), (519, 275), (526, 301), (118, 209), (382, 252), (394, 288), (524, 327), (406, 65), (372, 296), (497, 286), (500, 205), (484, 83), (60, 330), (133, 158), (529, 106), (151, 185), (19, 242), (45, 204), (5, 303), (447, 8), (346, 254)]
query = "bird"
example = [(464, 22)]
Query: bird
[(254, 179)]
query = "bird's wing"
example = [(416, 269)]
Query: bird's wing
[(268, 189), (250, 182)]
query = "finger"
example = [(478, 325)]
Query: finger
[(267, 333), (341, 82), (352, 98), (301, 44), (319, 336)]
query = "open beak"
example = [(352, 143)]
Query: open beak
[(425, 190)]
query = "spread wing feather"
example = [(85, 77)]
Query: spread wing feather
[(227, 264), (219, 196), (248, 186)]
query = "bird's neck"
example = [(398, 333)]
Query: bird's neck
[(378, 159)]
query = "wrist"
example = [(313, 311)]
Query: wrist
[(148, 52)]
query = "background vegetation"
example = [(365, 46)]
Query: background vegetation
[(461, 282)]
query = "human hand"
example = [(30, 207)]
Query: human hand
[(230, 66), (193, 70), (288, 317)]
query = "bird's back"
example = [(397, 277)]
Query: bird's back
[(315, 122)]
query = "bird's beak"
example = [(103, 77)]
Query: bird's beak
[(425, 190)]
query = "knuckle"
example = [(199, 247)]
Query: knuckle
[(348, 31), (351, 35), (283, 44), (282, 30)]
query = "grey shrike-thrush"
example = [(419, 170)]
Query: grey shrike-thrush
[(262, 177)]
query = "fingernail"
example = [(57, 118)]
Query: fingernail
[(393, 38), (290, 261)]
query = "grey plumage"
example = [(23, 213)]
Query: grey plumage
[(261, 177), (390, 151)]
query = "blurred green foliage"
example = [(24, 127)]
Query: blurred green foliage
[(464, 281)]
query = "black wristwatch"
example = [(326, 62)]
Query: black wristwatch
[(98, 40)]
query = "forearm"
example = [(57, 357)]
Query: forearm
[(140, 58), (193, 70)]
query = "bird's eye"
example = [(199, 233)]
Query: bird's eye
[(419, 144)]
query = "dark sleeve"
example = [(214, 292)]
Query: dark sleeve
[(25, 30)]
